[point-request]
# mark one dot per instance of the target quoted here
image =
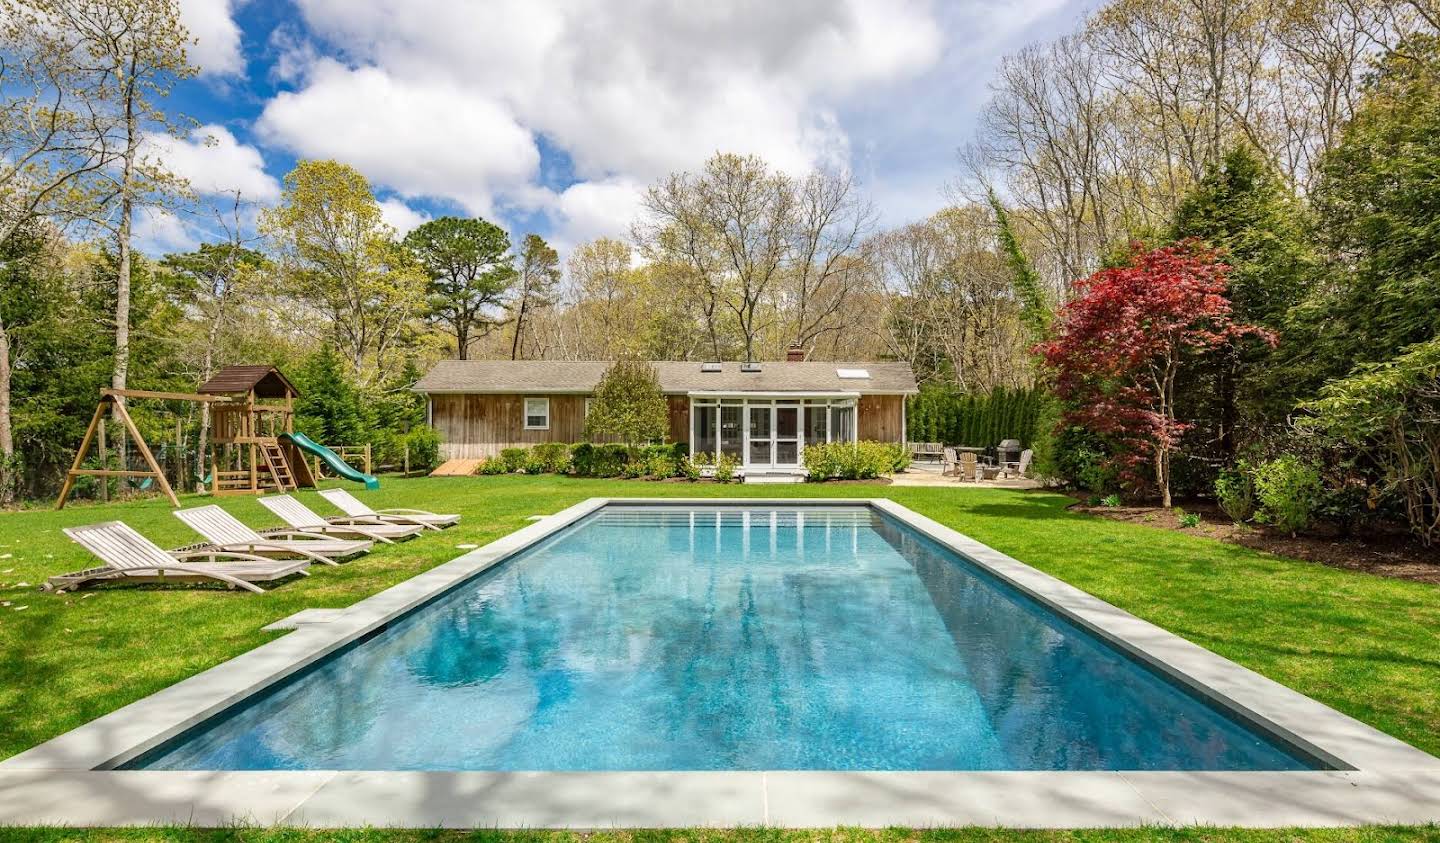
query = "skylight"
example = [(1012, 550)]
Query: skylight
[(749, 367), (853, 374), (710, 367)]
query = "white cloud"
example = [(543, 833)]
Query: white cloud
[(443, 99), (157, 231), (587, 210), (217, 47), (418, 137), (214, 163), (401, 217)]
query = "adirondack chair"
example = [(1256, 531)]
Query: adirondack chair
[(948, 465), (969, 466), (305, 520), (357, 509), (225, 531), (130, 556)]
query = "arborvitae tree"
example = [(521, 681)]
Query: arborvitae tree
[(629, 405), (329, 408)]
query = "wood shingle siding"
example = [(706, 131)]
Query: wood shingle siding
[(882, 418)]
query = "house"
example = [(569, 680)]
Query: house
[(762, 414)]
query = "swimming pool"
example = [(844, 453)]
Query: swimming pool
[(728, 638)]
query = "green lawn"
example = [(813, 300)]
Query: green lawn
[(1362, 644)]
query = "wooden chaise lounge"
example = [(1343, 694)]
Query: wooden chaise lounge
[(306, 520), (132, 557), (225, 531), (357, 509)]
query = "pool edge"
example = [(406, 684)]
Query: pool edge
[(1388, 780)]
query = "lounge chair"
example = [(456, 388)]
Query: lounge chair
[(130, 556), (305, 520), (1019, 467), (225, 531), (357, 509)]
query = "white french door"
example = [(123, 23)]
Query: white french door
[(772, 435)]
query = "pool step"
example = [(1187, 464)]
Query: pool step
[(774, 478)]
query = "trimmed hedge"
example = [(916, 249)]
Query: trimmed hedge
[(939, 414)]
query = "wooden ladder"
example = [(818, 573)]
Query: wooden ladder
[(279, 467)]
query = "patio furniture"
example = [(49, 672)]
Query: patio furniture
[(932, 451), (949, 463), (130, 556), (357, 509), (969, 466), (1018, 466), (304, 519), (1008, 451), (225, 531)]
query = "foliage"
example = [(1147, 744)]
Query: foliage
[(940, 414), (423, 444), (1390, 413), (1123, 341), (1111, 501), (1235, 492), (693, 468), (337, 255), (494, 465), (1188, 520), (1288, 490), (553, 457), (854, 461), (1045, 440), (1035, 310), (468, 263), (1242, 209), (514, 459), (628, 405), (1375, 203), (538, 277), (329, 409), (725, 468)]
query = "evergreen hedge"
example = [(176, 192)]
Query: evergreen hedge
[(940, 414)]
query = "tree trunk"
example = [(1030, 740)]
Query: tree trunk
[(121, 373), (7, 440), (462, 341), (519, 325)]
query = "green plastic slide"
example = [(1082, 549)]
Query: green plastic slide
[(330, 458)]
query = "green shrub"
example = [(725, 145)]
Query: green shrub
[(610, 460), (694, 467), (582, 459), (424, 445), (514, 458), (854, 461), (553, 457), (1188, 520), (494, 465), (725, 468), (1288, 490), (1235, 491), (633, 470), (660, 466), (1111, 500), (533, 463)]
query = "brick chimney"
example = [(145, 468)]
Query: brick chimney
[(795, 353)]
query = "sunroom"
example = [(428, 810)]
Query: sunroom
[(768, 433)]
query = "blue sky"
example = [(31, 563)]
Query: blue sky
[(553, 116)]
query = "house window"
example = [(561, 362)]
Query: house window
[(537, 413)]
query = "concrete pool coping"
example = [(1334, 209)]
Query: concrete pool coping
[(70, 779)]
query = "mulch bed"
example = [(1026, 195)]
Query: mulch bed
[(1386, 553)]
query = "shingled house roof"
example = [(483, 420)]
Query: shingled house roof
[(267, 381), (563, 376)]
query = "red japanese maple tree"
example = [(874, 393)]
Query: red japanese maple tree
[(1121, 342)]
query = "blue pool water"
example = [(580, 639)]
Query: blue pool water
[(721, 638)]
